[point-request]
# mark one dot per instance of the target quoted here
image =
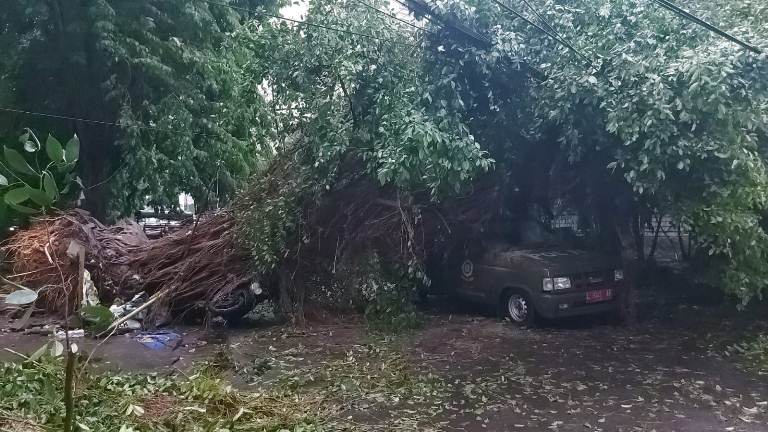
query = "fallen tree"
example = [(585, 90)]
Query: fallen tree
[(383, 150), (323, 243)]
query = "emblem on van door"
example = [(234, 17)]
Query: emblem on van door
[(467, 268)]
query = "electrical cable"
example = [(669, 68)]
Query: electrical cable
[(394, 17), (553, 31), (300, 22), (541, 18), (100, 122), (477, 39), (448, 24), (408, 9), (308, 24), (541, 29), (693, 18)]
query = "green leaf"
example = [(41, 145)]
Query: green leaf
[(49, 185), (16, 196), (23, 209), (39, 353), (72, 152), (21, 297), (54, 150), (17, 162), (39, 197), (3, 180), (97, 317)]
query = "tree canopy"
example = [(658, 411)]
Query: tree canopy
[(164, 71), (620, 109), (674, 110)]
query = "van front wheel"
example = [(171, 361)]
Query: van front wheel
[(517, 307)]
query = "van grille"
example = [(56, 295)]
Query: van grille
[(590, 280)]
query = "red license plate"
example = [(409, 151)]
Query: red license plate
[(599, 295)]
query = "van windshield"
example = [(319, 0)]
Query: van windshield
[(534, 234)]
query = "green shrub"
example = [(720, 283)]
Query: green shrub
[(392, 310), (753, 353), (388, 293)]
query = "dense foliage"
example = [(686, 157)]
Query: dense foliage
[(687, 125), (642, 121), (619, 111), (661, 105), (350, 105), (163, 70), (349, 96)]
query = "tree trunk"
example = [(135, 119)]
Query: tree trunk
[(637, 235), (655, 241), (631, 264), (284, 297), (96, 166)]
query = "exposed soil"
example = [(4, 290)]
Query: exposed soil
[(664, 374)]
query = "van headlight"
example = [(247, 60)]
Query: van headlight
[(618, 275), (548, 284), (562, 283), (556, 284)]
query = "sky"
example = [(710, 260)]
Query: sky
[(296, 10)]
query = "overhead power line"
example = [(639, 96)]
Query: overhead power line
[(459, 29), (555, 37), (101, 122), (693, 18), (553, 31), (307, 23), (448, 23), (423, 7), (370, 6), (541, 18), (408, 9)]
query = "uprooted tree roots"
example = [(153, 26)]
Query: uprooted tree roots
[(194, 264), (39, 259)]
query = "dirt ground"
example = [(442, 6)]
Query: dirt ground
[(667, 373)]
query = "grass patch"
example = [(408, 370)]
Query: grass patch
[(203, 401), (752, 353), (370, 387)]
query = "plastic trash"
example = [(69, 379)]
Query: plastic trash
[(159, 339), (131, 324), (78, 333), (90, 293), (120, 311)]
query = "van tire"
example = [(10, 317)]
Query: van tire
[(516, 306)]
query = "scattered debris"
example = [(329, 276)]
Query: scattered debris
[(78, 333), (131, 324), (120, 310), (90, 295), (159, 339)]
